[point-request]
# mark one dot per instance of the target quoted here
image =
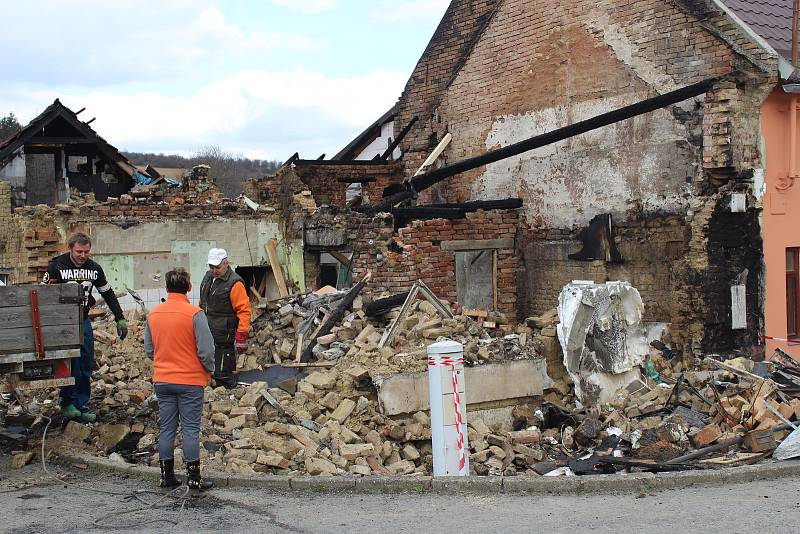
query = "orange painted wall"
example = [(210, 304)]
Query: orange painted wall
[(781, 208)]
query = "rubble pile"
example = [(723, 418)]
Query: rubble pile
[(323, 418), (277, 332)]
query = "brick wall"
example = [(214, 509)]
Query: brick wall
[(448, 49), (559, 61), (543, 64), (33, 235), (649, 247), (6, 220), (323, 179), (416, 253)]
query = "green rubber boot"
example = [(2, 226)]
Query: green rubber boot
[(70, 412), (88, 416)]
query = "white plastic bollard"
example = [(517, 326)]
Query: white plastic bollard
[(448, 409)]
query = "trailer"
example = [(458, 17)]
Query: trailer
[(41, 330)]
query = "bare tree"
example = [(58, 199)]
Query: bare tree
[(229, 170)]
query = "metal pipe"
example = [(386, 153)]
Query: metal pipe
[(795, 23), (793, 135)]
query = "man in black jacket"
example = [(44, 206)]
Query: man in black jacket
[(75, 266)]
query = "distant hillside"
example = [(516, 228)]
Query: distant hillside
[(230, 171)]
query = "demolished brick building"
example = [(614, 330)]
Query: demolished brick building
[(665, 189), (683, 184)]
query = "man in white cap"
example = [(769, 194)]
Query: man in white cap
[(224, 300)]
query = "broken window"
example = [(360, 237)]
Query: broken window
[(792, 291), (335, 269), (259, 282), (475, 278)]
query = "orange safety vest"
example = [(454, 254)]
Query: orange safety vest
[(175, 359)]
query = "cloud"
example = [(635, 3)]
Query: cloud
[(307, 6), (412, 10), (257, 113), (95, 43)]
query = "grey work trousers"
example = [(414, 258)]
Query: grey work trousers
[(178, 401)]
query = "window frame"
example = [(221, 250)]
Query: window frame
[(792, 285)]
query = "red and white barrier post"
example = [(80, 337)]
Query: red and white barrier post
[(448, 409)]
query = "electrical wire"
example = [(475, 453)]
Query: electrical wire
[(247, 237), (181, 493)]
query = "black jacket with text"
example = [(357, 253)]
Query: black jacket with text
[(61, 270)]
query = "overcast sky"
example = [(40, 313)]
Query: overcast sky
[(263, 78)]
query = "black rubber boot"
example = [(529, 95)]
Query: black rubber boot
[(225, 367), (195, 481), (168, 479), (225, 374)]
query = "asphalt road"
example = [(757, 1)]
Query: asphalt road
[(31, 503)]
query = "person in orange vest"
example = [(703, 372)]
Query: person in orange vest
[(179, 341)]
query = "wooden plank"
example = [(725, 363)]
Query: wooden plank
[(477, 244), (474, 280), (389, 333), (255, 293), (341, 258), (433, 156), (12, 296), (55, 337), (272, 254), (49, 315), (49, 383), (299, 351), (30, 356)]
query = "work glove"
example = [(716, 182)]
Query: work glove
[(122, 328), (240, 342)]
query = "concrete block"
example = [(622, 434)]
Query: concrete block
[(408, 393)]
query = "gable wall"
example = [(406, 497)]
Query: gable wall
[(541, 65)]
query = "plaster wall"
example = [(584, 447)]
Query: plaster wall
[(139, 256), (638, 164), (781, 214)]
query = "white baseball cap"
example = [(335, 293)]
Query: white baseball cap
[(216, 255)]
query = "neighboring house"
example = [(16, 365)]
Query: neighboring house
[(372, 142), (684, 184), (56, 152), (772, 20)]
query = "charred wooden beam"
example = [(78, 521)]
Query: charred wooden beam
[(430, 178), (486, 205), (357, 179), (399, 139), (382, 306), (336, 315), (292, 159), (341, 163)]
